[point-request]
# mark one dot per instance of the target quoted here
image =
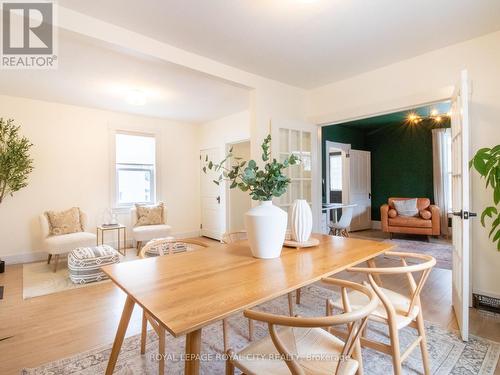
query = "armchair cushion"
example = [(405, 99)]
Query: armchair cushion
[(410, 221), (392, 213), (425, 214), (63, 244), (149, 232), (406, 207), (149, 215), (64, 222)]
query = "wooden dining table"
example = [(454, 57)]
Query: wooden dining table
[(188, 291)]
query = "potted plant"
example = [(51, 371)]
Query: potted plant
[(266, 223), (15, 161), (487, 162)]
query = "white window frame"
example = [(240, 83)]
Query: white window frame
[(113, 131)]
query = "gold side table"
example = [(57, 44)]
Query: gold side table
[(118, 227)]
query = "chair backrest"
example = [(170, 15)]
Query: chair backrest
[(346, 218), (422, 203), (424, 268), (166, 246), (230, 237), (133, 215), (355, 319)]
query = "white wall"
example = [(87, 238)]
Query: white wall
[(427, 78), (228, 129), (72, 168)]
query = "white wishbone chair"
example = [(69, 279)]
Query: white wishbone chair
[(394, 309), (301, 345)]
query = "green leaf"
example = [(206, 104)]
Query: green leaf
[(480, 166), (488, 212), (216, 182)]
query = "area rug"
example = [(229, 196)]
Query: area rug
[(449, 355), (441, 251), (39, 278)]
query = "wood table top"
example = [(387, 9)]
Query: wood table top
[(187, 291)]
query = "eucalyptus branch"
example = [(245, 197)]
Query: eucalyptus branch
[(262, 184)]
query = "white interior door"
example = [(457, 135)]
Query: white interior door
[(460, 203), (360, 189), (212, 211)]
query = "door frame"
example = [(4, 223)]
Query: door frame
[(345, 149), (227, 202)]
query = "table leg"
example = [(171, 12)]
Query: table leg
[(193, 348), (120, 334)]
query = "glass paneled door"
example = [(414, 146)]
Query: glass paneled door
[(296, 142)]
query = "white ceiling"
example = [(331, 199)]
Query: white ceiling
[(307, 43), (93, 74)]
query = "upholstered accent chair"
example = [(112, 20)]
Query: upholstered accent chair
[(145, 233), (62, 244), (426, 222)]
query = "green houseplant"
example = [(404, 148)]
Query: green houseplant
[(266, 223), (486, 162), (15, 161)]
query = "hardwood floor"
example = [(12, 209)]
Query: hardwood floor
[(55, 326)]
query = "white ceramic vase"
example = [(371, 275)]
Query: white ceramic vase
[(301, 224), (266, 227)]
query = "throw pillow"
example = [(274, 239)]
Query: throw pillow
[(64, 222), (149, 215), (392, 212), (425, 214), (406, 207)]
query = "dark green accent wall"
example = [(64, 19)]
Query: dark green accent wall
[(401, 158)]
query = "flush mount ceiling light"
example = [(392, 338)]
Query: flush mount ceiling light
[(136, 97)]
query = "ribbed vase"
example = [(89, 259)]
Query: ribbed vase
[(301, 224)]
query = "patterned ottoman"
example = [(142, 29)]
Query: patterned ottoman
[(166, 245), (84, 263)]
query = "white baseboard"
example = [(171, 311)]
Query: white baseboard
[(376, 224), (194, 233), (34, 256)]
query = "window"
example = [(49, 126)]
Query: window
[(299, 143), (335, 171), (135, 169)]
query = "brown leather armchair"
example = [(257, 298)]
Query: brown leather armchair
[(426, 223)]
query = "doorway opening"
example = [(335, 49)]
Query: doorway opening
[(422, 158), (237, 201)]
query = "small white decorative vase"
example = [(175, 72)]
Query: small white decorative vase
[(301, 224), (266, 227)]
